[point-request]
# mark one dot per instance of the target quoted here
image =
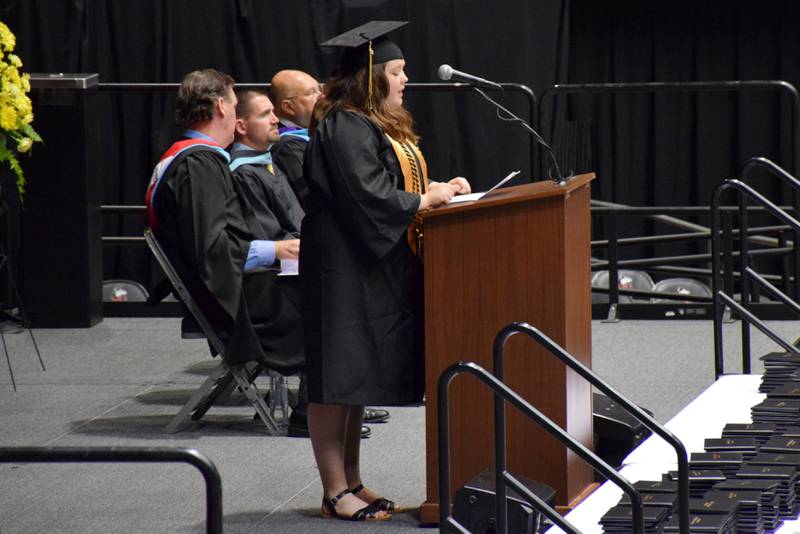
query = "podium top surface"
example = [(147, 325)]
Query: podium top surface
[(511, 195)]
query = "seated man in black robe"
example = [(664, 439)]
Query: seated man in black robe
[(263, 184), (295, 93), (212, 238), (266, 190)]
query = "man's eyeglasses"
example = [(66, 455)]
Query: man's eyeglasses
[(314, 91)]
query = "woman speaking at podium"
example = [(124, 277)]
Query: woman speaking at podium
[(359, 260)]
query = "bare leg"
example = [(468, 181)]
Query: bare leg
[(352, 445), (328, 424), (352, 453)]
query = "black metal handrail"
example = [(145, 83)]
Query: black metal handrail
[(193, 457), (613, 264), (721, 297), (545, 104), (502, 477), (498, 349), (663, 264), (664, 210), (123, 209), (653, 294), (665, 214), (685, 258), (692, 271), (791, 181), (688, 87), (684, 236), (654, 264), (773, 168)]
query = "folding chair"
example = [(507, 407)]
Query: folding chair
[(123, 291), (681, 286), (627, 279), (224, 378)]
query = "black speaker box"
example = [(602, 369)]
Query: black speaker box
[(61, 225), (474, 506), (616, 432)]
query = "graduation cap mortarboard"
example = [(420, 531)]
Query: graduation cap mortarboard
[(357, 41), (367, 45)]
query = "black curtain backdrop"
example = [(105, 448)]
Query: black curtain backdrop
[(157, 41), (673, 149), (647, 150)]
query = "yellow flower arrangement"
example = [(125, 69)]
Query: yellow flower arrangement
[(16, 114)]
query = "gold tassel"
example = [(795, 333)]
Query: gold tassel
[(369, 73)]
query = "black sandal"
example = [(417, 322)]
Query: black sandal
[(368, 513), (384, 505)]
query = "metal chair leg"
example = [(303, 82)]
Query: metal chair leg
[(279, 397), (197, 397), (256, 399), (8, 360)]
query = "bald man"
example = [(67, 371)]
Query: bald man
[(294, 94)]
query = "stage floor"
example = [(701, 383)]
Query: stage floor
[(119, 383)]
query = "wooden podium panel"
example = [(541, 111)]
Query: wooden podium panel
[(521, 254)]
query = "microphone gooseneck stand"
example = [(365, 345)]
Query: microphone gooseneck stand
[(559, 178)]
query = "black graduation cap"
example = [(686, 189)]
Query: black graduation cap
[(357, 42)]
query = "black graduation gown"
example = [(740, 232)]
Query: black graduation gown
[(362, 305), (206, 232), (287, 154), (270, 196)]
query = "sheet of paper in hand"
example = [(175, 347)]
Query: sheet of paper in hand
[(289, 268), (478, 196)]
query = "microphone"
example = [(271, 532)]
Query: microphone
[(446, 73)]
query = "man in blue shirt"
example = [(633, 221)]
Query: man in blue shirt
[(265, 189)]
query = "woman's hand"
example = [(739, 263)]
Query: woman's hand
[(288, 249), (461, 185), (438, 195)]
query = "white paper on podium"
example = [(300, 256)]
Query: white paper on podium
[(478, 196)]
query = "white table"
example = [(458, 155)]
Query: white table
[(728, 400)]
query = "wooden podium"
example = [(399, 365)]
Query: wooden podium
[(520, 254)]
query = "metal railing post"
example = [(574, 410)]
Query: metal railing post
[(725, 297), (587, 374), (211, 476), (446, 522)]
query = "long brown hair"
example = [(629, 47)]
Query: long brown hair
[(349, 91)]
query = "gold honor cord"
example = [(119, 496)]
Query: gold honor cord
[(369, 84), (415, 180)]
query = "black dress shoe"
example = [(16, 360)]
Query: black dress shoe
[(376, 415)]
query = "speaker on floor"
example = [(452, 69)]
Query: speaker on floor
[(616, 432), (474, 505)]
